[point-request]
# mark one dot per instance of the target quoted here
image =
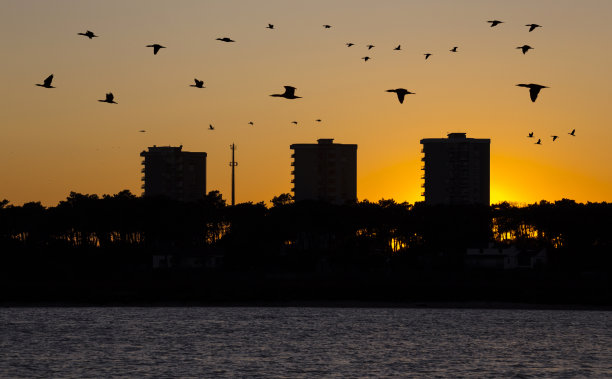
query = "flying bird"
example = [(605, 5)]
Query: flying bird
[(534, 89), (288, 94), (156, 47), (270, 26), (365, 59), (318, 120), (327, 26), (530, 135), (198, 83), (251, 123), (533, 26), (401, 92), (210, 127), (294, 122), (539, 142), (109, 99), (525, 48), (89, 34), (495, 22), (349, 44), (142, 131), (399, 47), (572, 133), (554, 138), (225, 39), (427, 55), (454, 49), (370, 47), (47, 82)]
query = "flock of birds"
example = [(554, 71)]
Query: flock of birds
[(289, 93)]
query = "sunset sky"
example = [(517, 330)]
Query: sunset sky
[(54, 141)]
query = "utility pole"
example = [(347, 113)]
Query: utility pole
[(233, 164)]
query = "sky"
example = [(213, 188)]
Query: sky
[(54, 141)]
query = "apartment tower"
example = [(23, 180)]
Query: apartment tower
[(456, 170), (324, 171), (173, 173)]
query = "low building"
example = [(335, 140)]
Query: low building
[(500, 258)]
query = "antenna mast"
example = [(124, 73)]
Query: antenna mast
[(233, 164)]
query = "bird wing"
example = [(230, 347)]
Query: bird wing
[(289, 91), (400, 96), (533, 93), (531, 27), (47, 81)]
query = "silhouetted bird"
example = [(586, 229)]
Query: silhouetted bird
[(454, 49), (366, 59), (109, 99), (533, 26), (327, 26), (572, 133), (89, 34), (225, 39), (349, 44), (495, 22), (47, 82), (370, 47), (198, 84), (156, 47), (399, 47), (427, 55), (251, 123), (530, 135), (294, 122), (210, 127), (270, 26), (142, 131), (554, 138), (534, 89), (525, 48), (539, 142), (318, 120), (401, 92), (288, 94)]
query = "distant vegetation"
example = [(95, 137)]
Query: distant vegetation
[(578, 235), (120, 235)]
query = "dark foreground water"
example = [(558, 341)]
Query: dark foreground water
[(303, 342)]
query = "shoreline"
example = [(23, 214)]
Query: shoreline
[(474, 305)]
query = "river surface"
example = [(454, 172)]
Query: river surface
[(209, 342)]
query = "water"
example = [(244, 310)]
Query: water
[(303, 342)]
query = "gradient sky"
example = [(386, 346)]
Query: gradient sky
[(54, 141)]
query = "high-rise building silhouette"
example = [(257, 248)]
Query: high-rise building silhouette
[(173, 173), (456, 170), (324, 171)]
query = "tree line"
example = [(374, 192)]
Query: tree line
[(124, 230)]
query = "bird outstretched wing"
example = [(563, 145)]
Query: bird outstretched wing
[(533, 93), (48, 81), (289, 91)]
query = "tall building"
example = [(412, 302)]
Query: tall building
[(173, 173), (456, 170), (324, 171)]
